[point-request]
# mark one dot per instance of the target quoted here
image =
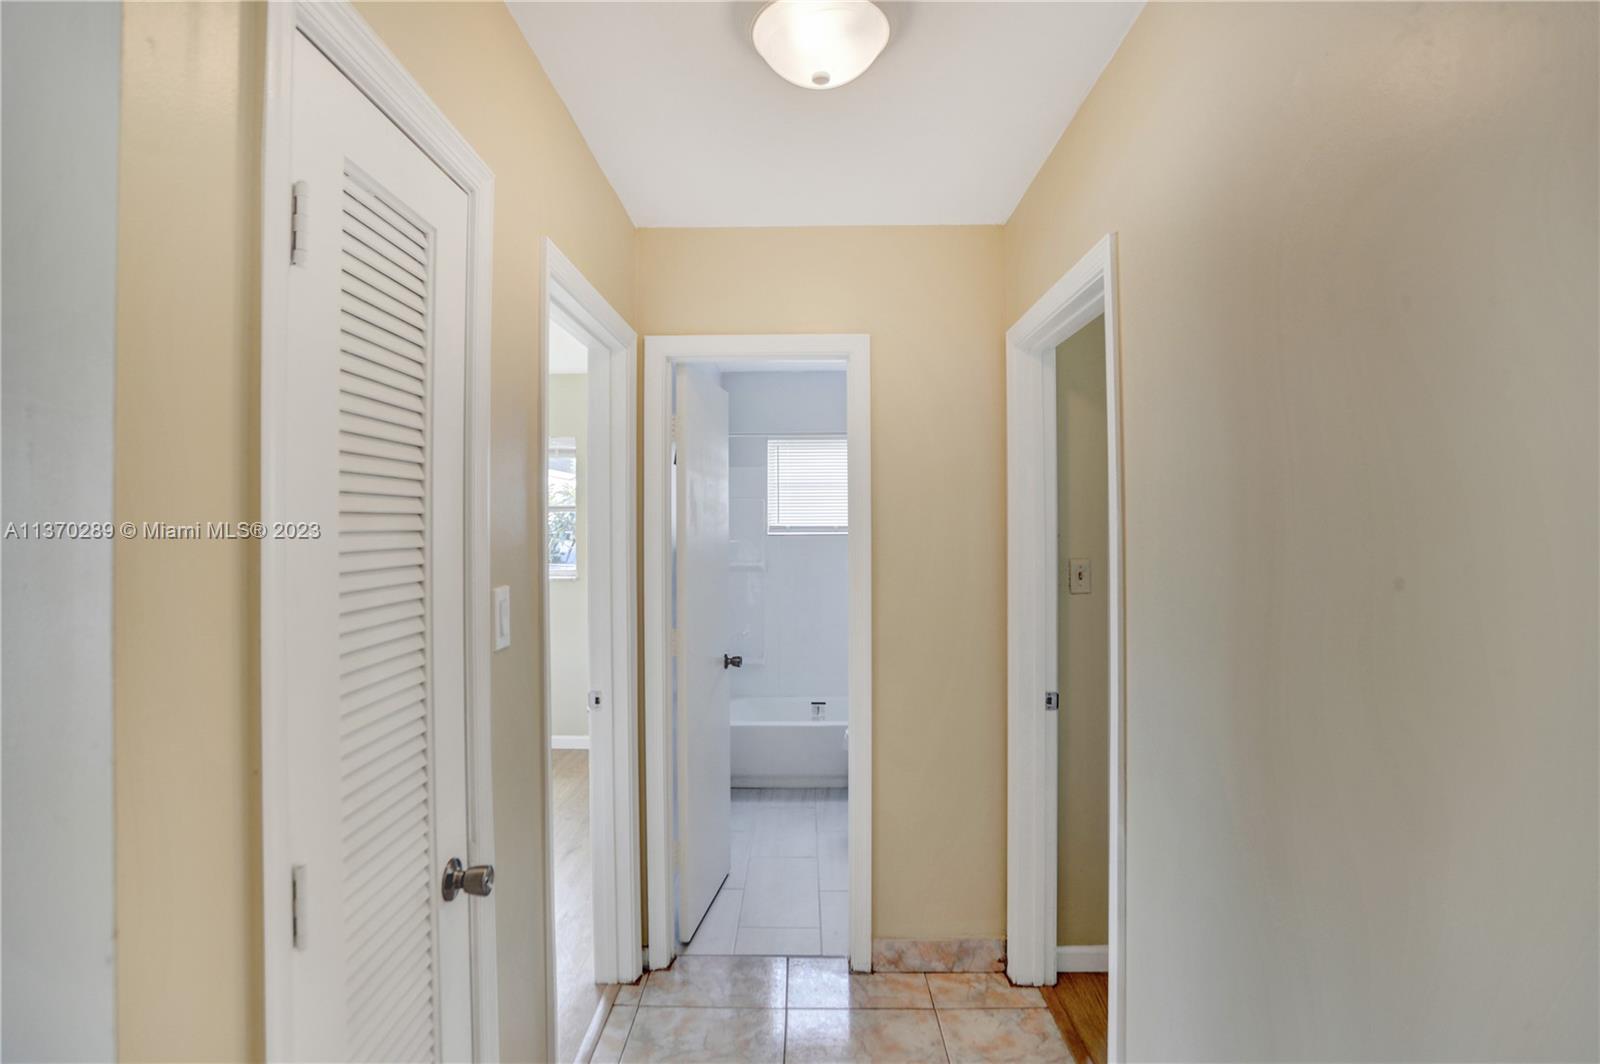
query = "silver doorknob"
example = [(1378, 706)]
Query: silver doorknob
[(477, 880), (732, 663)]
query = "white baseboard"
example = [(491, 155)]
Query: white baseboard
[(829, 782), (1082, 959), (569, 742)]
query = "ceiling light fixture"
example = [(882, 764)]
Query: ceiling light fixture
[(820, 44)]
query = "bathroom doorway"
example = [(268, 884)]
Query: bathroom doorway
[(757, 541)]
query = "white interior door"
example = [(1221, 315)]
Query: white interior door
[(375, 645), (703, 630)]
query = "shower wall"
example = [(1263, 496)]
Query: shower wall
[(790, 608)]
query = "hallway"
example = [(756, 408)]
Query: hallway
[(812, 1009)]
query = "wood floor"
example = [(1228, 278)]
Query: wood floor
[(1078, 1002), (576, 992)]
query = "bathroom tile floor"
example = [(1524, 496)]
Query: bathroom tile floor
[(754, 1009), (787, 892)]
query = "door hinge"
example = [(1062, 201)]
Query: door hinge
[(298, 928), (1052, 700), (299, 223)]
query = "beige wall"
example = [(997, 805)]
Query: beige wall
[(931, 299), (189, 978), (569, 599), (1357, 280), (1082, 672), (189, 960)]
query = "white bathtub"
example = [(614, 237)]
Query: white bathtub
[(780, 742)]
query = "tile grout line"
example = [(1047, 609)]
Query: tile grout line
[(622, 1050)]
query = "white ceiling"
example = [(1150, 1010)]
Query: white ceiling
[(948, 127)]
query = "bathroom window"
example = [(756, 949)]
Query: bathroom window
[(808, 486), (561, 540)]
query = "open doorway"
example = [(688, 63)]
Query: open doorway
[(592, 913), (1065, 641), (757, 598)]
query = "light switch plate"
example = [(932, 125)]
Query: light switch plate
[(1078, 576), (502, 617)]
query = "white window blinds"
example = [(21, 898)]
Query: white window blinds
[(807, 486)]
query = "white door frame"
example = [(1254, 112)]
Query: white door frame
[(660, 354), (1087, 291), (609, 560), (351, 46)]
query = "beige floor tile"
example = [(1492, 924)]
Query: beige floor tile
[(778, 941), (994, 1036), (827, 983), (628, 993), (614, 1035), (727, 982), (900, 1035), (981, 990), (754, 1036)]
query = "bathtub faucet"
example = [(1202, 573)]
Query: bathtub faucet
[(816, 710)]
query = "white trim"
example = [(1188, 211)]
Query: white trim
[(611, 567), (1087, 291), (777, 351), (791, 782), (343, 36), (1082, 958)]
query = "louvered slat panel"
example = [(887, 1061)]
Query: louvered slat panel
[(357, 601), (383, 540), (378, 817), (410, 1045), (384, 666), (380, 633), (402, 225), (398, 398), (355, 503), (356, 720), (378, 281), (355, 323), (390, 242), (357, 366), (355, 353)]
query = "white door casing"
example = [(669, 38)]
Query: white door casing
[(1085, 292), (609, 482), (662, 355), (702, 627), (373, 670)]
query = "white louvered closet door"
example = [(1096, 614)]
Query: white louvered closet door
[(377, 682)]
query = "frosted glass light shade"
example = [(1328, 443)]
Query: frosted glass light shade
[(820, 44)]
